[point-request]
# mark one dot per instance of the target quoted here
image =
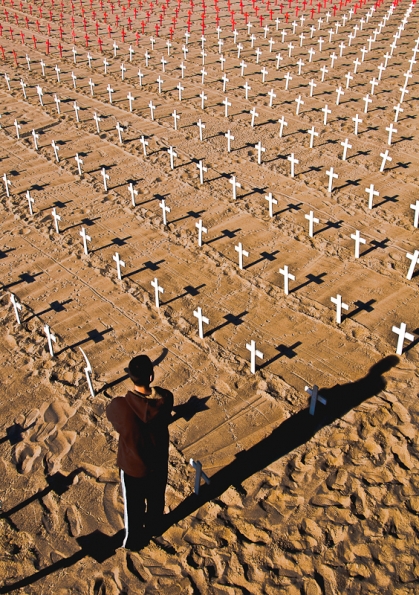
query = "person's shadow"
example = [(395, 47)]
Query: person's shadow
[(293, 432)]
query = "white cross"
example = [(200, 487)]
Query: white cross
[(145, 144), (7, 183), (290, 48), (23, 85), (239, 49), (260, 150), (185, 51), (140, 77), (242, 253), (89, 59), (119, 263), (105, 65), (272, 96), (227, 104), (371, 193), (339, 305), (415, 208), (152, 108), (163, 63), (349, 78), (293, 162), (131, 53), (390, 129), (287, 277), (247, 88), (165, 209), (225, 81), (311, 52), (79, 162), (229, 138), (56, 149), (30, 201), (299, 103), (272, 201), (381, 69), (16, 306), (28, 60), (201, 127), (203, 72), (339, 92), (203, 98), (74, 55), (312, 134), (311, 220), (279, 59), (123, 70), (236, 185), (105, 177), (76, 109), (403, 336), (197, 465), (50, 339), (397, 108), (120, 130), (92, 86), (88, 372), (287, 78), (202, 169), (357, 120), (414, 258), (201, 319), (110, 91), (115, 48), (254, 114), (201, 230), (333, 57), (326, 111), (97, 119), (386, 158), (57, 70), (56, 218), (180, 89), (373, 84), (312, 87), (86, 239), (253, 353), (73, 76), (182, 66), (17, 127), (367, 99), (157, 289), (132, 192), (172, 155), (330, 172), (314, 394), (282, 122), (346, 145), (271, 44), (264, 73), (175, 117), (40, 93), (356, 63), (130, 100), (358, 241)]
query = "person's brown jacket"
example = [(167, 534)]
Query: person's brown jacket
[(142, 424)]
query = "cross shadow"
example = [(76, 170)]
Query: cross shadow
[(24, 278), (255, 191), (54, 306), (360, 307), (14, 433), (114, 242), (264, 256), (386, 199), (194, 214), (329, 225), (413, 343), (190, 408), (375, 244), (229, 319), (310, 169), (189, 290), (86, 221), (399, 164), (4, 253), (226, 233), (283, 350), (317, 279), (149, 265), (349, 183), (359, 154), (94, 335), (403, 138), (290, 207)]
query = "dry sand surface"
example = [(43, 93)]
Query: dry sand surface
[(297, 504)]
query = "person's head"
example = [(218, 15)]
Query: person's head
[(140, 370)]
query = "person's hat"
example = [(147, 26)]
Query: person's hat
[(140, 370)]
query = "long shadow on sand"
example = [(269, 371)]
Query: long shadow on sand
[(292, 433)]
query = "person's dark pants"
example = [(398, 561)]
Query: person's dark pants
[(143, 507)]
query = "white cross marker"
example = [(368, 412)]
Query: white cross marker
[(201, 319), (247, 88), (50, 339), (314, 394), (175, 117), (105, 177), (105, 64), (180, 89), (293, 162), (385, 156), (79, 162), (397, 108), (123, 70), (358, 241), (253, 353), (198, 475), (130, 100), (357, 120), (119, 263), (157, 290), (152, 108), (16, 306), (330, 172), (86, 239), (414, 258), (326, 111), (7, 183), (282, 122), (236, 185), (229, 138), (35, 137), (165, 209), (287, 277), (56, 218), (88, 372), (287, 78), (17, 127), (172, 155), (97, 119), (40, 93), (312, 134), (371, 193), (120, 130), (202, 169), (260, 150), (227, 104), (311, 220), (76, 109), (201, 127), (73, 76), (254, 114), (242, 253), (145, 144), (56, 149), (415, 207), (272, 96), (390, 129), (339, 305), (203, 98), (299, 103), (403, 336), (367, 99), (339, 92), (23, 85), (110, 91), (201, 230), (272, 201), (133, 193), (346, 145), (30, 201)]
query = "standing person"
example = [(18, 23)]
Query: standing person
[(141, 419)]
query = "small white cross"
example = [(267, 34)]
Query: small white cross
[(97, 119), (314, 394), (40, 93), (119, 263), (225, 81), (247, 88), (152, 108), (312, 87), (172, 155), (203, 98), (74, 55), (105, 64), (86, 239), (130, 100), (56, 218), (17, 127), (7, 183), (373, 84), (73, 76), (339, 305), (272, 201), (165, 209), (123, 71), (390, 129), (367, 99), (76, 110), (397, 108), (197, 465), (182, 66), (311, 220), (180, 89), (229, 138), (57, 70), (272, 96), (264, 73), (242, 253), (89, 59), (105, 177), (92, 87), (23, 85), (415, 208), (385, 156), (349, 78), (293, 162), (326, 111), (371, 193), (312, 134), (175, 117), (253, 354), (201, 230), (115, 48), (50, 339), (346, 145), (157, 290), (236, 185), (403, 336), (287, 78), (414, 258), (299, 103), (110, 91), (202, 169), (131, 53), (79, 162), (254, 114), (201, 127), (227, 104), (282, 122), (132, 192), (30, 201), (163, 63), (260, 150), (120, 130), (357, 120), (330, 172), (56, 149), (204, 73), (145, 144), (324, 71), (358, 241), (16, 306), (287, 277), (339, 92), (201, 319), (279, 59), (140, 77)]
